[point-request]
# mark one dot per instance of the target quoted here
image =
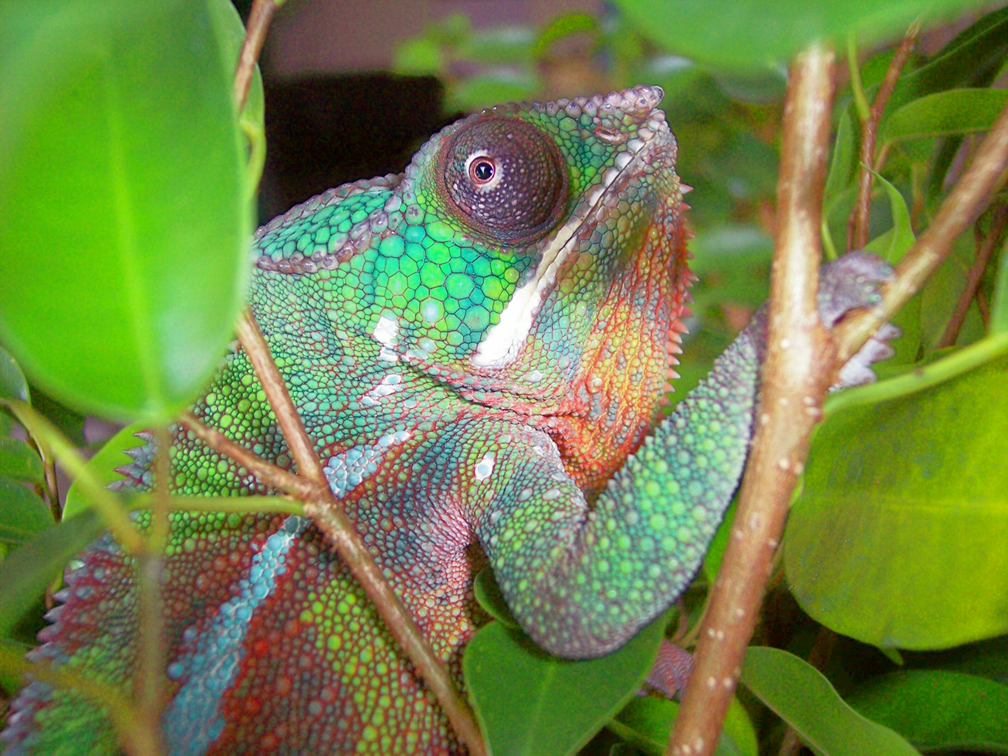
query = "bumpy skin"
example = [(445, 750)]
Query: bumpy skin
[(477, 348)]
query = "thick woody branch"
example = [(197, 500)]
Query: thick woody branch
[(332, 520), (965, 203), (795, 377)]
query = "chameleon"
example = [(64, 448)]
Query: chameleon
[(478, 348)]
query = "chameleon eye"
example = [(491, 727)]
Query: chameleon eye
[(506, 178)]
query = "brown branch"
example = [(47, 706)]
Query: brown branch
[(795, 377), (968, 199), (255, 34), (332, 520), (857, 228), (983, 255), (270, 474)]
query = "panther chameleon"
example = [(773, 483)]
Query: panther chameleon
[(478, 348)]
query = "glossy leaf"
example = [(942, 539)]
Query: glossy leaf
[(530, 703), (123, 223), (799, 694), (938, 710), (103, 467), (12, 381), (892, 245), (488, 595), (905, 504), (958, 111), (754, 34), (647, 722), (26, 573), (22, 513), (18, 461)]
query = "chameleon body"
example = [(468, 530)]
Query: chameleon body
[(478, 348)]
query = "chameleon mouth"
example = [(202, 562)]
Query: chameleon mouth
[(502, 342)]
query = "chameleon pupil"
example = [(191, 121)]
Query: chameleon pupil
[(482, 171)]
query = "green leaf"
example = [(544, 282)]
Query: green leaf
[(530, 703), (22, 513), (754, 33), (904, 517), (19, 461), (12, 381), (958, 111), (488, 595), (842, 164), (893, 244), (938, 710), (647, 722), (26, 573), (124, 222), (103, 467), (799, 694), (999, 308)]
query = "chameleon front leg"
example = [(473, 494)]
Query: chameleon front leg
[(583, 579)]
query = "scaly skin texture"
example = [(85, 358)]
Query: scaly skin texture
[(477, 348)]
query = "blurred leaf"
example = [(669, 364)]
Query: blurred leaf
[(718, 544), (123, 301), (647, 722), (499, 46), (958, 111), (70, 423), (999, 307), (12, 381), (26, 573), (753, 34), (489, 596), (941, 293), (19, 462), (530, 703), (564, 25), (843, 162), (905, 504), (22, 513), (937, 710), (103, 467), (418, 57), (799, 694), (492, 88)]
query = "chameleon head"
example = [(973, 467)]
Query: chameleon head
[(555, 268)]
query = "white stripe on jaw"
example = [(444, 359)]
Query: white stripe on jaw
[(502, 342)]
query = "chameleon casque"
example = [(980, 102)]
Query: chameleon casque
[(478, 348)]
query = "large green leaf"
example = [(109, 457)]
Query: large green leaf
[(958, 111), (22, 513), (647, 722), (123, 219), (898, 538), (528, 702), (26, 573), (939, 710), (754, 33), (803, 698)]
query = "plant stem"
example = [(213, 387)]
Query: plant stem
[(857, 235), (795, 378), (333, 521), (255, 34), (973, 281)]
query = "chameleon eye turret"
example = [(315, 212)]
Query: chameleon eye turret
[(507, 179)]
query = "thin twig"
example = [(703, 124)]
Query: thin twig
[(968, 199), (255, 34), (332, 520), (150, 671), (795, 379), (857, 229), (984, 251), (268, 473)]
